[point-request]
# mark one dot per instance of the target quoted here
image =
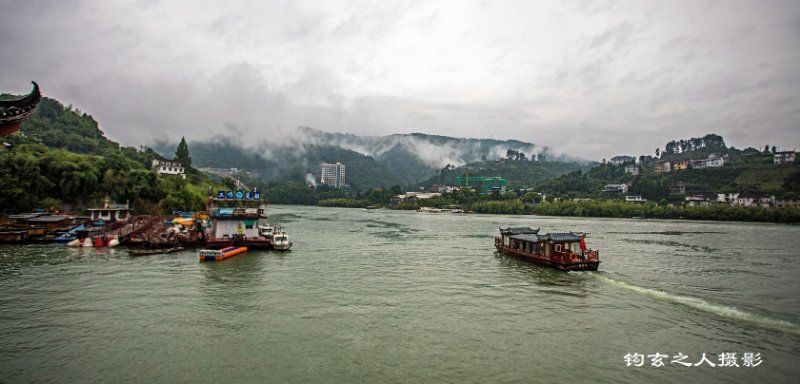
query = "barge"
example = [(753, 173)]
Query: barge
[(565, 251), (236, 219)]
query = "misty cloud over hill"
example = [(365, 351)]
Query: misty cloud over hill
[(371, 160)]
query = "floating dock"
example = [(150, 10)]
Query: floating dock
[(221, 254)]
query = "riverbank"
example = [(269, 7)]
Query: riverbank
[(603, 208)]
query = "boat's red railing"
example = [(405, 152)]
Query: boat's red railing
[(576, 257)]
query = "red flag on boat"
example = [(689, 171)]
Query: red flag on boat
[(583, 244)]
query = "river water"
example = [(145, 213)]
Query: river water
[(390, 296)]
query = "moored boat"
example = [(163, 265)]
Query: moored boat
[(566, 251), (221, 254), (13, 235), (148, 252), (237, 218), (70, 235), (280, 241)]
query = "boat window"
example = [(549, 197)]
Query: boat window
[(558, 247)]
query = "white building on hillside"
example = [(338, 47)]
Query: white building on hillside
[(633, 169), (729, 198), (784, 157), (715, 160), (635, 199), (167, 167), (615, 188)]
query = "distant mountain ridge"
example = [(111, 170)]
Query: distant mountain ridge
[(372, 161)]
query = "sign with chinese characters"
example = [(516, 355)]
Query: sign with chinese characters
[(255, 194), (724, 359)]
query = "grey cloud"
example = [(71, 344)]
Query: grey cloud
[(575, 76)]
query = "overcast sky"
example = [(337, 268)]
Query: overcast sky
[(590, 78)]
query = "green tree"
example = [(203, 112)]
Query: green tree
[(182, 153)]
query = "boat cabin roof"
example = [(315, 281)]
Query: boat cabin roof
[(559, 237), (512, 231), (49, 219), (109, 209)]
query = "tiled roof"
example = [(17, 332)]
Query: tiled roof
[(557, 237), (518, 231), (526, 237), (26, 216), (566, 236), (49, 219)]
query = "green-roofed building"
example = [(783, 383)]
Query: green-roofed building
[(483, 184)]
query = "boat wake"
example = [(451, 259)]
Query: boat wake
[(705, 306)]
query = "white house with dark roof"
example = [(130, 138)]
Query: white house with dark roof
[(784, 157), (169, 167)]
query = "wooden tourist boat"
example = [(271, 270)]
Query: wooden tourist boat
[(566, 251), (221, 254)]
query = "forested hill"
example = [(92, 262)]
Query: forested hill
[(520, 173), (59, 126), (371, 161), (747, 170), (61, 159), (285, 164)]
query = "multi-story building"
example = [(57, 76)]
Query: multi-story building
[(169, 167), (754, 199), (633, 169), (715, 160), (695, 200), (662, 167), (615, 188), (677, 189), (698, 163), (729, 198), (784, 157), (333, 175)]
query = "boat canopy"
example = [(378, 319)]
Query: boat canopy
[(560, 237), (512, 231)]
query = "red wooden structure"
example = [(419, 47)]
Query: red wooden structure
[(565, 251)]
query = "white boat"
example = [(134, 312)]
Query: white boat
[(265, 230), (430, 210), (280, 241)]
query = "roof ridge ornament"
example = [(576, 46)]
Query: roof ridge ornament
[(13, 112)]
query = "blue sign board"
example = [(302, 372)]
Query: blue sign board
[(241, 195)]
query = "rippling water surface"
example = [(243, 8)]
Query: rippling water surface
[(388, 296)]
